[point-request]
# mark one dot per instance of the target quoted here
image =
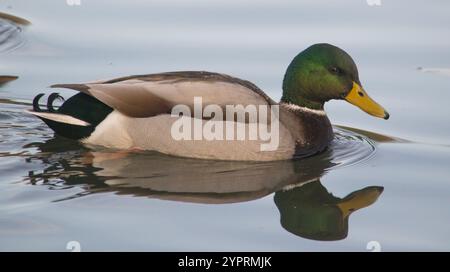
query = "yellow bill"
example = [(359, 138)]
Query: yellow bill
[(359, 199), (358, 97)]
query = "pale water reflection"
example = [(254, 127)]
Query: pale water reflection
[(379, 181)]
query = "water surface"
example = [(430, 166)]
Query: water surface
[(384, 181)]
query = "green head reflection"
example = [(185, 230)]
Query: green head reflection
[(310, 211)]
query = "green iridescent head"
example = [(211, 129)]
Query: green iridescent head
[(323, 72)]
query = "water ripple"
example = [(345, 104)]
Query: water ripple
[(11, 36)]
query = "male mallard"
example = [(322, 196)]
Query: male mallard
[(134, 112)]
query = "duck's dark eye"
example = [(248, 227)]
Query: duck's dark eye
[(335, 70)]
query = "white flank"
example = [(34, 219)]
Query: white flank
[(155, 133), (61, 118), (113, 132)]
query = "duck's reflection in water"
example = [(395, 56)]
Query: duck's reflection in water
[(306, 207), (310, 211)]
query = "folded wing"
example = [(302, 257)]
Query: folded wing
[(154, 94)]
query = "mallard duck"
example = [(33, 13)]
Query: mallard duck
[(137, 112)]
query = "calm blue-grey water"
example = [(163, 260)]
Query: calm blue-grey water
[(395, 173)]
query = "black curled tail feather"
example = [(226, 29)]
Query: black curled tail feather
[(51, 98), (36, 102)]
